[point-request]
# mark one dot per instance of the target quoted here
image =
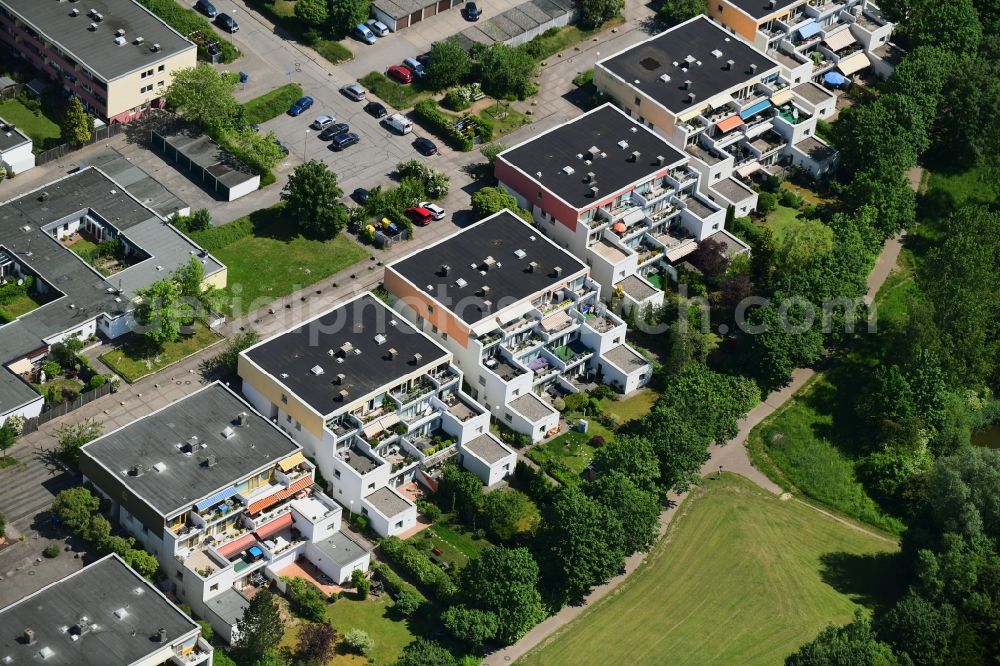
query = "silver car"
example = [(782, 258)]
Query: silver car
[(376, 26), (323, 122), (354, 91)]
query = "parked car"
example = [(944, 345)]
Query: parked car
[(472, 11), (353, 91), (206, 8), (282, 146), (376, 26), (227, 23), (375, 109), (361, 195), (436, 211), (362, 32), (415, 67), (424, 59), (344, 140), (420, 216), (334, 130), (399, 123), (400, 73), (425, 146), (300, 105), (322, 122)]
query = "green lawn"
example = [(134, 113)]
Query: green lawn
[(272, 103), (809, 446), (633, 407), (456, 544), (16, 307), (397, 95), (980, 183), (43, 131), (743, 578), (512, 119), (268, 259), (565, 457), (554, 40), (782, 220), (135, 359)]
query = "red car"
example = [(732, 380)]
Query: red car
[(420, 216), (400, 73)]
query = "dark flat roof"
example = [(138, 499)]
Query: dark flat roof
[(201, 150), (10, 136), (567, 145), (228, 606), (690, 42), (812, 93), (732, 190), (96, 49), (97, 592), (187, 479), (761, 8), (290, 357), (509, 280)]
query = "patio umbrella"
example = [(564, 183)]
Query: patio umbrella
[(834, 78), (619, 227)]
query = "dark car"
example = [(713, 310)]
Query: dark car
[(361, 195), (376, 109), (425, 146), (344, 140), (206, 8), (334, 130), (424, 59), (472, 11), (301, 104), (281, 146), (227, 23)]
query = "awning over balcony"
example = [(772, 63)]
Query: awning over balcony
[(275, 526), (384, 423), (839, 40), (273, 499), (854, 63), (755, 109), (485, 327), (730, 123), (807, 30), (236, 546), (218, 497), (748, 169), (291, 461), (781, 96), (515, 312)]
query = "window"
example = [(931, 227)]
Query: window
[(617, 341), (336, 473), (214, 588), (179, 575), (371, 486), (515, 392), (638, 101), (288, 418), (444, 336), (717, 177), (430, 308), (284, 399), (539, 196), (160, 84), (364, 511), (715, 226), (806, 133), (298, 426), (482, 381), (146, 74), (434, 329), (719, 7), (161, 68), (399, 524), (508, 417)]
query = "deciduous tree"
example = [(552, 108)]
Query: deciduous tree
[(202, 95), (510, 514), (423, 652), (632, 457), (489, 200), (593, 13), (855, 644), (160, 312), (312, 200), (314, 13), (673, 12), (260, 628), (506, 71), (636, 509), (503, 582), (77, 126), (345, 14), (316, 642), (449, 64)]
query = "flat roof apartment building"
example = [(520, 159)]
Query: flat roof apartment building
[(105, 613), (618, 196), (522, 316), (223, 499), (116, 56), (377, 403), (37, 231), (721, 100)]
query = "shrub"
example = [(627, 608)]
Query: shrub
[(360, 523), (219, 237), (597, 441), (790, 199), (559, 404), (51, 369), (306, 599), (442, 125), (361, 583), (97, 381), (358, 641), (419, 567), (392, 581), (455, 100), (271, 104), (407, 603), (429, 509), (766, 202), (51, 550), (603, 391)]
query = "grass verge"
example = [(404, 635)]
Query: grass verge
[(743, 578), (271, 104), (397, 95), (554, 40), (186, 21), (42, 130), (282, 12), (135, 359), (510, 119), (268, 259)]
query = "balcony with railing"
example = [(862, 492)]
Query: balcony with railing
[(360, 462), (198, 654), (343, 426), (461, 408), (445, 376), (501, 367), (428, 443), (791, 114), (601, 322), (572, 353), (523, 342), (820, 9), (413, 390)]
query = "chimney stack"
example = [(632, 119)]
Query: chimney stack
[(659, 160), (557, 271), (635, 156), (339, 380), (593, 153), (393, 353), (532, 266), (417, 358), (161, 635), (487, 306), (343, 395), (591, 177), (485, 290), (243, 419), (29, 636), (729, 64), (753, 68), (444, 269), (686, 86), (771, 4), (690, 98)]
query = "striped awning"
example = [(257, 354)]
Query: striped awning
[(752, 111), (267, 530), (237, 546), (291, 461), (273, 499), (730, 123), (384, 423), (218, 497), (853, 63), (839, 40), (781, 96)]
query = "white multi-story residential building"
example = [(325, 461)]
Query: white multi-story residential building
[(375, 402), (618, 196), (222, 498), (522, 316), (715, 96), (103, 614)]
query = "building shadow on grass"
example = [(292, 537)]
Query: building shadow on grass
[(872, 580)]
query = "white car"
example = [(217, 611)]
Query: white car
[(323, 122), (437, 212), (379, 28)]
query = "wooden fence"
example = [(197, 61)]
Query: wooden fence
[(100, 134), (64, 408)]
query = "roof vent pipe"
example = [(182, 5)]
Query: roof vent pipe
[(635, 156), (690, 98)]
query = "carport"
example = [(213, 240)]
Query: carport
[(217, 170)]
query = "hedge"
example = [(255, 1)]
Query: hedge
[(419, 567), (219, 237), (394, 584), (442, 125), (271, 104), (186, 21)]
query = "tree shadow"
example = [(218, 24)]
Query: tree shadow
[(935, 204), (874, 580)]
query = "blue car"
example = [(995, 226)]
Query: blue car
[(362, 32), (300, 105)]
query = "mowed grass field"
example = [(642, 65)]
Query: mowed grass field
[(742, 578)]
